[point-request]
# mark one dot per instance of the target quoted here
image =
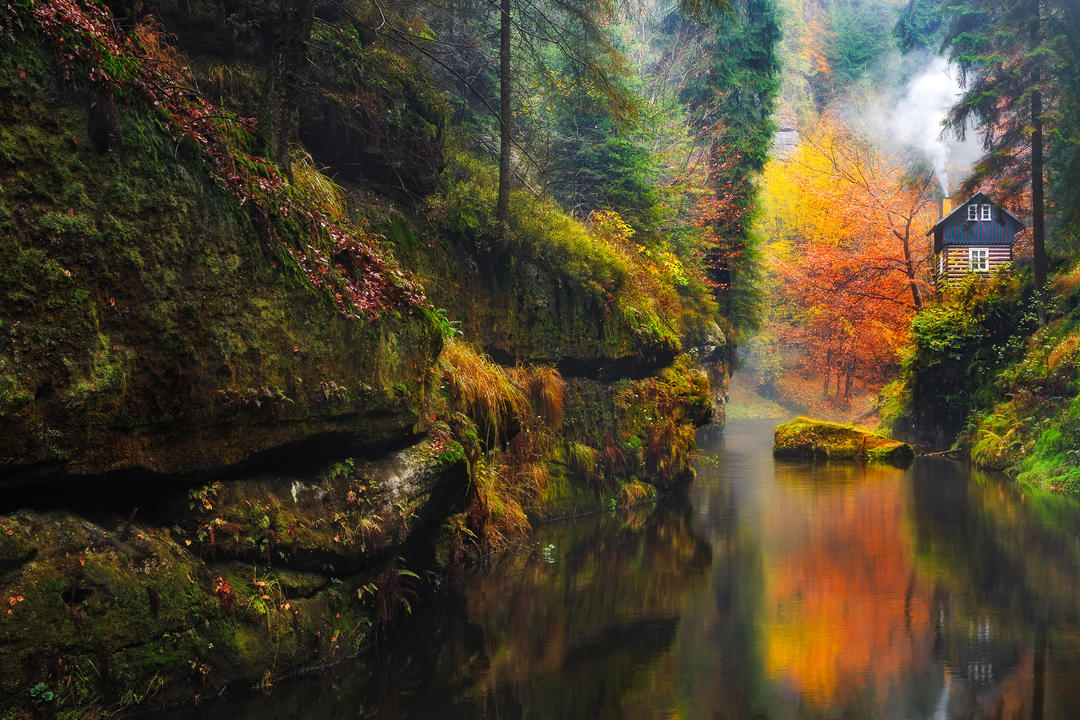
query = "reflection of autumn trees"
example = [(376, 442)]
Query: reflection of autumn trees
[(844, 608), (788, 592), (929, 593)]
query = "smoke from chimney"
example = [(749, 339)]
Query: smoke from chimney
[(918, 117)]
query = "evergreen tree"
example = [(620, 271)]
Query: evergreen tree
[(1010, 56), (601, 159), (1063, 168), (922, 26), (731, 99), (858, 36)]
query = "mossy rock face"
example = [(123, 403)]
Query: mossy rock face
[(818, 439), (547, 292), (259, 578), (618, 437), (347, 516), (145, 326), (522, 306)]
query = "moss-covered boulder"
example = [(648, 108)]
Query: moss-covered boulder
[(232, 584), (818, 439)]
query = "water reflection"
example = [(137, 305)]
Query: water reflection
[(774, 591)]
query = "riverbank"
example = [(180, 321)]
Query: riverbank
[(249, 411), (983, 377), (734, 595)]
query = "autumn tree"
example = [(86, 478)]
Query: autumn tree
[(846, 238)]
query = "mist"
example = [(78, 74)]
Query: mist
[(916, 123)]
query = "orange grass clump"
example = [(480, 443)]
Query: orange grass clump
[(484, 389)]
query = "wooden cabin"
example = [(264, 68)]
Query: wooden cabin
[(976, 236)]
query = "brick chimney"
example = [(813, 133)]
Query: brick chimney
[(946, 205)]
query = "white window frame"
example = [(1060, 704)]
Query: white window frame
[(973, 211), (987, 212), (978, 259)]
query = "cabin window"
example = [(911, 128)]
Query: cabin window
[(973, 212), (978, 259), (941, 264), (987, 212)]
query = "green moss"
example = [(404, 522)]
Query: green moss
[(132, 286), (817, 439), (553, 290), (956, 349)]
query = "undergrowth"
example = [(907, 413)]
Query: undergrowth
[(504, 421)]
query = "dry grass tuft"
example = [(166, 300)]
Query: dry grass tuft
[(546, 388), (1065, 351), (315, 187), (635, 493), (581, 459), (1068, 282), (495, 510), (484, 390)]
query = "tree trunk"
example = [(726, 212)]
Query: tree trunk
[(909, 265), (281, 97), (828, 372), (502, 205), (1038, 224)]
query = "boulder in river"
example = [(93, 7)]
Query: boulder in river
[(818, 439)]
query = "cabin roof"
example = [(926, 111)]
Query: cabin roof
[(960, 206)]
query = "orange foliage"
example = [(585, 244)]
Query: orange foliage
[(845, 230), (845, 608)]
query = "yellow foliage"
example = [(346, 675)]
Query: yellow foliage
[(320, 190), (609, 226)]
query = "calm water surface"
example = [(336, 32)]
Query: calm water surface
[(775, 590)]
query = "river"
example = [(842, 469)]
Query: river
[(773, 590)]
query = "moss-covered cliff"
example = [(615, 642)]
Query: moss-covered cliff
[(146, 326), (242, 399)]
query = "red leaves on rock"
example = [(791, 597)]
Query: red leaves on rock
[(364, 281)]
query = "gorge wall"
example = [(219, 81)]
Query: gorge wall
[(245, 406)]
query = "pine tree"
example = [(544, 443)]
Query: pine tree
[(732, 100), (1009, 53), (922, 26), (567, 26)]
